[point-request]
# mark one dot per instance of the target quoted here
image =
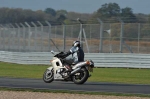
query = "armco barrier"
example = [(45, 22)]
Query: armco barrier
[(100, 59)]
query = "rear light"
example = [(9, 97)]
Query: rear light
[(88, 62), (51, 60)]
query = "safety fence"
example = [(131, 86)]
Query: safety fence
[(95, 38), (125, 60)]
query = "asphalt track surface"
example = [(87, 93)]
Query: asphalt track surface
[(60, 85)]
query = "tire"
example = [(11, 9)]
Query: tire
[(48, 76), (81, 76)]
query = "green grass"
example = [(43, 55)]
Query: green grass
[(21, 71), (114, 75), (121, 75)]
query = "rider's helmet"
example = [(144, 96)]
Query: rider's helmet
[(76, 44)]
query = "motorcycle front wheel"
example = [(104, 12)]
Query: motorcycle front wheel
[(81, 76), (48, 76)]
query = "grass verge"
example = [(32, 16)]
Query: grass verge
[(114, 75)]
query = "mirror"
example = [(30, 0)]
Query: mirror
[(52, 52)]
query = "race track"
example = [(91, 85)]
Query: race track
[(88, 86)]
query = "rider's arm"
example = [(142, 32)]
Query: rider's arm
[(74, 49), (67, 53), (71, 51)]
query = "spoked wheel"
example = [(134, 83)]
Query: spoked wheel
[(48, 76), (81, 76)]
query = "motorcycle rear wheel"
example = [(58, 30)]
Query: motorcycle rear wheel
[(81, 76), (48, 76)]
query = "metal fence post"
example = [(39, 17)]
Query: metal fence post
[(49, 34), (41, 34), (101, 35), (1, 29), (3, 41), (81, 32), (24, 44), (13, 37), (18, 36), (121, 35), (139, 33), (35, 35), (29, 30), (9, 36), (0, 37), (64, 36)]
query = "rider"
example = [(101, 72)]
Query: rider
[(76, 51)]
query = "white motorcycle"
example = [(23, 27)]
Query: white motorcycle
[(62, 70)]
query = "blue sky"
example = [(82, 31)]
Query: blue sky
[(81, 6)]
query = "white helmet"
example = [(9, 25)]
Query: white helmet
[(76, 43)]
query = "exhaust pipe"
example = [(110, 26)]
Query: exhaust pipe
[(78, 66), (75, 71)]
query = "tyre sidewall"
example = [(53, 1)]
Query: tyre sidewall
[(50, 79), (84, 79)]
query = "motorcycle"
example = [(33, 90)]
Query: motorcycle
[(62, 70)]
